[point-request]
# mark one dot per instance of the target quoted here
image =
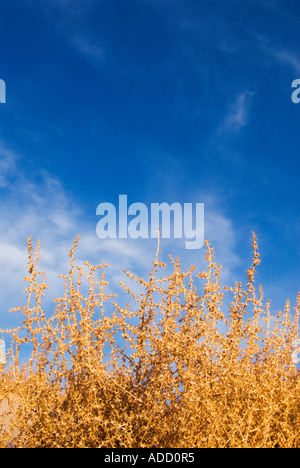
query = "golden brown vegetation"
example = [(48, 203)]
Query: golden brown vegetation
[(171, 369)]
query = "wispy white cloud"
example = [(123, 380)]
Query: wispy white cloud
[(70, 20), (235, 118), (281, 55), (93, 52), (237, 115), (286, 57), (40, 207), (8, 161)]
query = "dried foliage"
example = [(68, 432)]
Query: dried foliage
[(171, 369)]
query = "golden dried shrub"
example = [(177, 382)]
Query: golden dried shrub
[(173, 368)]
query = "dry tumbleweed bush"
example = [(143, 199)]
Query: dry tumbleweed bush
[(171, 369)]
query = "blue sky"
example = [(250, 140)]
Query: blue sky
[(162, 100)]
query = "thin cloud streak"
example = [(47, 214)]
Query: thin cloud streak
[(237, 115)]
